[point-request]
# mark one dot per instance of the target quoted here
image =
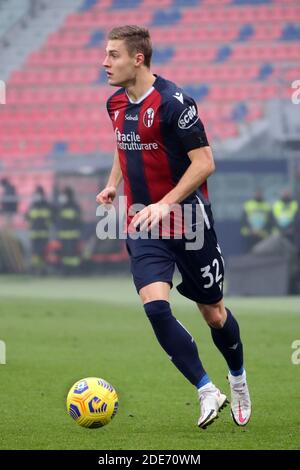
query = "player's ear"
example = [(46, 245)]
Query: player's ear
[(139, 59)]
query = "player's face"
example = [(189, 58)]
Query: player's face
[(120, 67)]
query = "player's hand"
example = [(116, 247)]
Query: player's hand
[(150, 216), (107, 195)]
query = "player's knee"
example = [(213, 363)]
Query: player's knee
[(214, 315), (157, 310), (216, 321), (154, 291)]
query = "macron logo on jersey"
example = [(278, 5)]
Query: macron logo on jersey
[(179, 97), (188, 118), (116, 115)]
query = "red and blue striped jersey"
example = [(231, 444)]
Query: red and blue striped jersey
[(154, 136)]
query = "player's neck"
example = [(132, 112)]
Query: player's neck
[(142, 84)]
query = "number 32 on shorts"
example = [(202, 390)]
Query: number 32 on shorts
[(213, 274)]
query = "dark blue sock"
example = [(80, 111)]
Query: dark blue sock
[(228, 341), (175, 340)]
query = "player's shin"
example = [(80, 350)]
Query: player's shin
[(228, 341), (175, 340)]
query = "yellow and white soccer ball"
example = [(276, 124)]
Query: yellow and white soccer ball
[(92, 402)]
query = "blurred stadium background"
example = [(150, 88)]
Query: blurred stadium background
[(239, 59)]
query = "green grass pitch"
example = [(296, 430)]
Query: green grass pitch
[(59, 331)]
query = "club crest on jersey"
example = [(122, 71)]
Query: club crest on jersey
[(148, 117), (188, 117)]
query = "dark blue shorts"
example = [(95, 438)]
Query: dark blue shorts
[(202, 270)]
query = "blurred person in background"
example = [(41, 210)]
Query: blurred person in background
[(297, 237), (8, 202), (40, 218), (256, 220), (297, 218), (69, 224), (286, 222), (285, 215), (283, 238)]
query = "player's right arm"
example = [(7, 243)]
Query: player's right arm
[(108, 194)]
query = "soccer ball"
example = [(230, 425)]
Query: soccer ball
[(92, 402)]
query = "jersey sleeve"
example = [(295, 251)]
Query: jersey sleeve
[(183, 120)]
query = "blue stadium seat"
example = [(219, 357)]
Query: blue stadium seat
[(197, 92), (265, 71), (186, 3), (161, 56), (123, 4), (166, 17), (102, 78), (60, 147), (96, 38), (291, 32), (87, 5), (252, 2), (239, 112), (245, 32), (223, 54)]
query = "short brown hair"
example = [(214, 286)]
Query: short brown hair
[(136, 38)]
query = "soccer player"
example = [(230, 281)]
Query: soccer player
[(164, 158)]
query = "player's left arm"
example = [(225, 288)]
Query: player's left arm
[(201, 167)]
